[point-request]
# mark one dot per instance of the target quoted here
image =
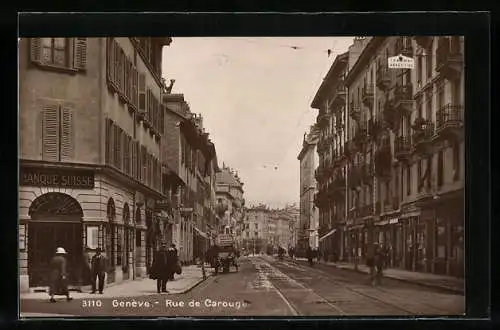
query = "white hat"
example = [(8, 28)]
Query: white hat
[(60, 250)]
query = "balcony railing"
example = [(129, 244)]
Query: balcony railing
[(354, 111), (403, 97), (449, 62), (402, 147), (449, 117), (383, 76), (383, 161), (367, 95), (422, 135)]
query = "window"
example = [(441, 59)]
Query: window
[(138, 238), (456, 162), (429, 171), (256, 226), (62, 53), (408, 180), (419, 70), (428, 62), (419, 175), (58, 135), (440, 169), (440, 96), (428, 106)]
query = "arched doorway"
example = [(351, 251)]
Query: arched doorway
[(128, 244), (56, 221), (110, 234)]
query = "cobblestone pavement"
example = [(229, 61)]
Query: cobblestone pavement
[(265, 287)]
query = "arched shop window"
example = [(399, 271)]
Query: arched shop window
[(111, 234)]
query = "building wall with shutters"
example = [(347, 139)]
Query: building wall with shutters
[(171, 154), (78, 90)]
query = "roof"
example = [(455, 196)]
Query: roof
[(363, 58), (226, 177), (341, 61)]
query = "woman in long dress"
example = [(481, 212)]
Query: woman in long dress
[(58, 276)]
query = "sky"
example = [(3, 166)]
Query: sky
[(254, 95)]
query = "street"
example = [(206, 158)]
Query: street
[(266, 287)]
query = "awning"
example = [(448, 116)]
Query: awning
[(201, 233), (328, 234), (392, 221)]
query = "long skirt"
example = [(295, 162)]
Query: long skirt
[(58, 286)]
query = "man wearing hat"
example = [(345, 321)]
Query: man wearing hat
[(159, 269), (58, 276), (98, 270)]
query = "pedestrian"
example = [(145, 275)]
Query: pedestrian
[(370, 260), (159, 269), (310, 255), (173, 265), (379, 262), (98, 270), (58, 276)]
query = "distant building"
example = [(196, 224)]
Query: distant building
[(309, 216)]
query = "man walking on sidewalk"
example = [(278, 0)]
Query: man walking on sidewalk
[(98, 270), (160, 270)]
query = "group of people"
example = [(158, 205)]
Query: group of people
[(165, 265), (94, 270)]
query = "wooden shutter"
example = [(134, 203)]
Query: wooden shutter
[(80, 61), (110, 65), (133, 158), (67, 133), (142, 92), (50, 132), (143, 164), (162, 119), (35, 45), (138, 164), (118, 147), (108, 148), (134, 87), (112, 144), (148, 104), (116, 60)]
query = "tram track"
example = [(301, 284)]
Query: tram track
[(347, 286)]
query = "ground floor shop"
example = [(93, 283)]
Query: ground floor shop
[(425, 236), (81, 209)]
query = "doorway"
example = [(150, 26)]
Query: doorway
[(56, 221)]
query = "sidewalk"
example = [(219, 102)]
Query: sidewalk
[(448, 283), (191, 276)]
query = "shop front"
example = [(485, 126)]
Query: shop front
[(387, 237)]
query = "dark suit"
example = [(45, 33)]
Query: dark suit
[(58, 276), (159, 270), (98, 270)]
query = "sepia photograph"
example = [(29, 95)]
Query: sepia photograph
[(242, 176)]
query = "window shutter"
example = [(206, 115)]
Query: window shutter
[(134, 86), (50, 132), (67, 133), (119, 147), (108, 148), (116, 60), (162, 119), (110, 59), (142, 92), (36, 50), (80, 61), (148, 104), (112, 144)]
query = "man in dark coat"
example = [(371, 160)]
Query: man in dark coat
[(58, 276), (159, 269), (98, 270)]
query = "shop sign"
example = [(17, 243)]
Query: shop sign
[(60, 178), (401, 62), (162, 204)]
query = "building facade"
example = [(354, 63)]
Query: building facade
[(333, 150), (309, 213), (90, 173), (191, 163), (405, 177), (255, 229), (230, 203)]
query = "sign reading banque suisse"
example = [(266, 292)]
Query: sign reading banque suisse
[(79, 179), (401, 62)]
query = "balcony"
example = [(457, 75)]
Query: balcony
[(390, 116), (366, 210), (424, 41), (422, 135), (339, 94), (354, 111), (367, 95), (361, 136), (383, 76), (323, 118), (402, 148), (449, 61), (449, 122), (403, 46), (403, 98)]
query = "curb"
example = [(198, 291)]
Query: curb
[(194, 285), (423, 284)]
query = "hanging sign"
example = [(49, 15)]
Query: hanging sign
[(400, 62)]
